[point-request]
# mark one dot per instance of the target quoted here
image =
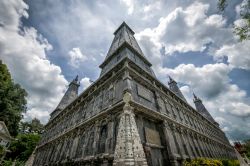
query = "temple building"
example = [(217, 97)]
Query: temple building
[(128, 117)]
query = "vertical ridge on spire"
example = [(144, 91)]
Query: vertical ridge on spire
[(174, 87)]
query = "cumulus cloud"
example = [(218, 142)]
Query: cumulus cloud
[(85, 82), (186, 29), (191, 29), (238, 54), (209, 79), (76, 57), (24, 52), (130, 5)]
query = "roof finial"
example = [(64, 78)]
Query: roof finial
[(76, 79), (171, 79), (195, 97)]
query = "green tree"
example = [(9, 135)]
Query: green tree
[(243, 31), (12, 100), (247, 146), (34, 126), (23, 146)]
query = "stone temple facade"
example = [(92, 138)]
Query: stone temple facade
[(128, 117)]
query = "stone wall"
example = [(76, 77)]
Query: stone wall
[(164, 128)]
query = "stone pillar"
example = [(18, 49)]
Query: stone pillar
[(200, 145), (214, 150), (203, 146), (196, 145), (182, 143), (177, 144), (171, 147), (160, 103), (46, 154), (96, 137), (185, 141), (109, 140), (208, 148), (127, 80), (128, 149), (191, 144), (70, 146), (211, 148), (58, 147), (75, 143), (51, 152), (62, 149)]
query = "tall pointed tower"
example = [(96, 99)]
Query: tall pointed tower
[(202, 109), (174, 87), (128, 117), (69, 96)]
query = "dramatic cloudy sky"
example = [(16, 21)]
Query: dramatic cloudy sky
[(46, 43)]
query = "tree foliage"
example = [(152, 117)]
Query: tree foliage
[(23, 146), (12, 100), (34, 126), (247, 146), (243, 30), (211, 162)]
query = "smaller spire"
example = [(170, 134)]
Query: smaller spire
[(171, 80), (202, 109), (70, 94), (195, 97), (174, 88), (76, 79)]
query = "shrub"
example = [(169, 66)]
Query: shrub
[(211, 162), (230, 162), (203, 161), (10, 163)]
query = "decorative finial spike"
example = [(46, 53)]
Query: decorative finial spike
[(195, 97), (170, 78), (76, 79)]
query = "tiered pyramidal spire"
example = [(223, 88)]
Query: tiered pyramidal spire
[(124, 35), (174, 87), (124, 45)]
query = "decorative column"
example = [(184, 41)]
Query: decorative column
[(199, 145), (196, 146), (203, 146), (177, 144), (171, 147), (128, 150), (208, 147), (109, 140), (191, 144), (186, 143), (75, 143), (96, 137)]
